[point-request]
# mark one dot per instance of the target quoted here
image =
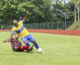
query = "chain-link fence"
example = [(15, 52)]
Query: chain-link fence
[(46, 25)]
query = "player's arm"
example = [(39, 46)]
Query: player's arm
[(25, 17), (11, 35), (6, 41)]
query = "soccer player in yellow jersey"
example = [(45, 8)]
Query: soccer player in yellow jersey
[(22, 32)]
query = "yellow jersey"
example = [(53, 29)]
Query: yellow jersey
[(21, 31)]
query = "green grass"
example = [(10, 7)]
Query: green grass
[(59, 50), (74, 26)]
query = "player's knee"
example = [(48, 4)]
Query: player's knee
[(25, 41), (34, 42)]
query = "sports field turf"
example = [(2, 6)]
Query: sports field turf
[(59, 50)]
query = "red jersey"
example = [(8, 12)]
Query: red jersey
[(15, 43)]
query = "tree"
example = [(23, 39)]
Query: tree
[(76, 9), (43, 10), (40, 10), (13, 9)]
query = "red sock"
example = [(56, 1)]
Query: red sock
[(25, 47)]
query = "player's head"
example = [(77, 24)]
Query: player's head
[(15, 23)]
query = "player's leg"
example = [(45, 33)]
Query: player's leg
[(25, 41), (31, 39), (25, 47), (18, 49), (36, 45), (22, 48), (27, 44)]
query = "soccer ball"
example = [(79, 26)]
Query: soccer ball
[(39, 50)]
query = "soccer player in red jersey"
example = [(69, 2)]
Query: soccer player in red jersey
[(17, 45)]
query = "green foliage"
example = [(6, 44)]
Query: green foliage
[(40, 10), (13, 9), (74, 26)]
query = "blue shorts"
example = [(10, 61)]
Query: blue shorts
[(29, 38)]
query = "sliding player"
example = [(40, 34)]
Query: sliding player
[(17, 45), (22, 32)]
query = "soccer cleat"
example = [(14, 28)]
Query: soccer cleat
[(30, 49), (39, 50)]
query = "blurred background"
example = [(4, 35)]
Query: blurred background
[(44, 14)]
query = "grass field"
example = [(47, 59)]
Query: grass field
[(59, 50)]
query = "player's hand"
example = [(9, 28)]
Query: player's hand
[(16, 47), (27, 11), (5, 41)]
